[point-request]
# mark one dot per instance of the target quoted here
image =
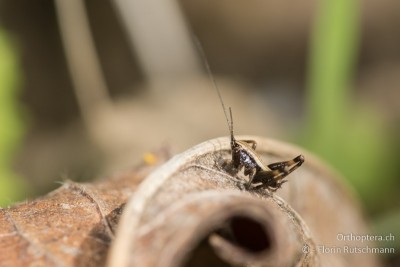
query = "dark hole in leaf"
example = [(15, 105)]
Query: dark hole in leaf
[(247, 234), (204, 255), (243, 232)]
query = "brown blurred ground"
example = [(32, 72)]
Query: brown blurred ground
[(260, 49)]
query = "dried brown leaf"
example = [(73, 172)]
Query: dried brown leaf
[(190, 212), (71, 226)]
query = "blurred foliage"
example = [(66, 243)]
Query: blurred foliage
[(11, 127), (349, 135)]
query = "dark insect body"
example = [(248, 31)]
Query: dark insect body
[(245, 157)]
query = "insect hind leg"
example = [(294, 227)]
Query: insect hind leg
[(274, 178), (287, 166)]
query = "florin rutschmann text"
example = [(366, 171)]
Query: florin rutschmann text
[(324, 249)]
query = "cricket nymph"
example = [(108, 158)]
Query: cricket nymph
[(245, 157)]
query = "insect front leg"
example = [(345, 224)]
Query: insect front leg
[(229, 167), (232, 166), (250, 171), (252, 143)]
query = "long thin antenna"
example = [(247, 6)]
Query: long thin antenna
[(231, 126), (203, 56)]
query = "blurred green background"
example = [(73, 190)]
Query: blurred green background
[(324, 74), (12, 126)]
